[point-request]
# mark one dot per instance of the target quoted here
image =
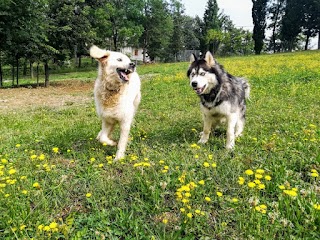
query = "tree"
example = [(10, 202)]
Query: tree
[(212, 23), (276, 12), (158, 26), (311, 19), (291, 24), (259, 12)]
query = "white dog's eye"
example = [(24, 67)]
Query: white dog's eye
[(202, 74), (192, 74), (119, 59)]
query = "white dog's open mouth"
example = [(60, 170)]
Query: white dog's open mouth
[(199, 90), (124, 74)]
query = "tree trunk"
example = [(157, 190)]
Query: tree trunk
[(17, 62), (31, 70), (319, 40), (1, 78), (24, 73), (37, 74), (46, 74), (79, 62), (307, 43), (75, 55), (12, 73)]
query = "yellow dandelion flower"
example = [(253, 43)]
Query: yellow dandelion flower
[(291, 193), (267, 177), (88, 195), (187, 194), (294, 189), (197, 211), (260, 171), (314, 174), (3, 185), (196, 156), (100, 165), (201, 182), (257, 181), (4, 161), (41, 157), (258, 176), (214, 165), (40, 227), (235, 200), (182, 210), (313, 170), (161, 162), (53, 225), (251, 184), (261, 186), (206, 164), (194, 145), (219, 194), (12, 171), (46, 228), (18, 145), (166, 167), (7, 195), (208, 199), (184, 200), (55, 149), (164, 171), (316, 206), (165, 221), (92, 159), (249, 172), (189, 215), (282, 187), (33, 157), (25, 192), (36, 185), (23, 177), (241, 180), (22, 227)]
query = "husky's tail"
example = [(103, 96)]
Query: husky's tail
[(246, 88)]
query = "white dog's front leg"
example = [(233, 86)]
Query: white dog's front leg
[(232, 120), (105, 133), (123, 141)]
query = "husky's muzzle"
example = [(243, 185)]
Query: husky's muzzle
[(196, 88)]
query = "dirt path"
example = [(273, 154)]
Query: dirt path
[(65, 93)]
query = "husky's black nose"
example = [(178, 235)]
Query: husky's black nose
[(194, 84)]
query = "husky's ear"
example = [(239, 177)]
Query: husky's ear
[(193, 58), (209, 59), (98, 53)]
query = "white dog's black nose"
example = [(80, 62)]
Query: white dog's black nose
[(194, 84)]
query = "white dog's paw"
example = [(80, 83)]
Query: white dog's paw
[(106, 141), (229, 146), (119, 156), (203, 140)]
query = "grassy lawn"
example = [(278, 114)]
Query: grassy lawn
[(58, 182)]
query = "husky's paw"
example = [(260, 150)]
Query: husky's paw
[(203, 138)]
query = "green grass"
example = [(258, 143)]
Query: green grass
[(144, 196)]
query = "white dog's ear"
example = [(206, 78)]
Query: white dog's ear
[(209, 59), (193, 58), (98, 53)]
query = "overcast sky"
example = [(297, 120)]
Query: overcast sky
[(238, 10)]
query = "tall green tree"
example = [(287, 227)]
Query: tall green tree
[(259, 14), (291, 24), (158, 26), (275, 13), (212, 24)]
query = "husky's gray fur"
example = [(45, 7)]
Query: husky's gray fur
[(222, 96)]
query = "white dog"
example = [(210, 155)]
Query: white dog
[(117, 96)]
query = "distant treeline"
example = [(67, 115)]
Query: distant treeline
[(60, 32)]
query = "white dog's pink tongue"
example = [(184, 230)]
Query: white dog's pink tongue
[(125, 76)]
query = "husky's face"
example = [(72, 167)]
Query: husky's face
[(113, 63), (201, 74)]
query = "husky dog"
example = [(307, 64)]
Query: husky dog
[(222, 96), (117, 95)]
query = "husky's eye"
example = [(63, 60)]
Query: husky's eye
[(192, 74), (119, 59), (202, 73)]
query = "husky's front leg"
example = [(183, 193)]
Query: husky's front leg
[(207, 124), (124, 136), (231, 121)]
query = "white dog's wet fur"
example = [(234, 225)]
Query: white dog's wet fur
[(222, 97), (117, 96)]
